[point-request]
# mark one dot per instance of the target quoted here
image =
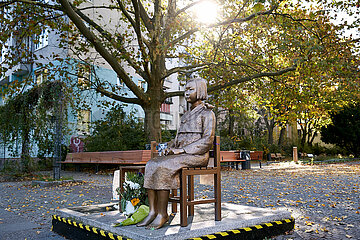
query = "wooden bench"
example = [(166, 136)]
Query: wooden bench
[(280, 156), (231, 158), (257, 156), (277, 156), (131, 157)]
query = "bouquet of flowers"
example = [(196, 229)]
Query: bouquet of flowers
[(133, 194)]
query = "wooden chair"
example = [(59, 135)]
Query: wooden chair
[(186, 197)]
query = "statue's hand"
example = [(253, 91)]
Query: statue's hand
[(175, 151), (167, 151)]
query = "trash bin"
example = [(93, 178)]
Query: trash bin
[(245, 154)]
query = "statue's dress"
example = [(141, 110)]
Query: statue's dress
[(195, 136)]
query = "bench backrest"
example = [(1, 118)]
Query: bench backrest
[(229, 155), (113, 157), (256, 155)]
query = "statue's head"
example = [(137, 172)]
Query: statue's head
[(201, 88)]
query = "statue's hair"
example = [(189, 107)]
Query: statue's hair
[(201, 88)]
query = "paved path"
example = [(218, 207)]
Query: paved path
[(324, 199)]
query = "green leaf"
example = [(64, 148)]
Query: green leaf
[(258, 7)]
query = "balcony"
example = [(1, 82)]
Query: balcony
[(22, 69)]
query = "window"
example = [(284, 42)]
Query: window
[(42, 40), (41, 76), (165, 108), (83, 122)]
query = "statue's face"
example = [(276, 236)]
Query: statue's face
[(190, 92)]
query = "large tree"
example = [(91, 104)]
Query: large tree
[(137, 38), (327, 67)]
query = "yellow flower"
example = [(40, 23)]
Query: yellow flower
[(135, 201)]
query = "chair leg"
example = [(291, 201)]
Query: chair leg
[(121, 182), (217, 192), (174, 204), (191, 194), (183, 199)]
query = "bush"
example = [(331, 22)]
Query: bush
[(167, 135), (344, 130), (118, 131)]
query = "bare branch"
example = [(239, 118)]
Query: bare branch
[(182, 37), (174, 94), (237, 81), (117, 97), (193, 68), (248, 78), (137, 29), (44, 5), (187, 7), (145, 17), (126, 13), (286, 15), (231, 21), (99, 7), (245, 19)]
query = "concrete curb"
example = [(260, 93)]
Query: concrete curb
[(238, 222), (75, 230)]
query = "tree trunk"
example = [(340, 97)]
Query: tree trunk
[(303, 137), (270, 135), (282, 136), (312, 138), (25, 153), (152, 121), (270, 124), (231, 123)]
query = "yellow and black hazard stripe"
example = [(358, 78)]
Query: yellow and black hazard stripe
[(254, 232), (76, 230)]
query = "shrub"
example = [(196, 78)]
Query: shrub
[(118, 131), (344, 131)]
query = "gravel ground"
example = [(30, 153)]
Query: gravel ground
[(324, 199)]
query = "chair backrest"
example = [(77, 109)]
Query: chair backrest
[(154, 152), (217, 151)]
